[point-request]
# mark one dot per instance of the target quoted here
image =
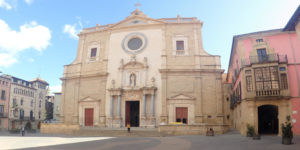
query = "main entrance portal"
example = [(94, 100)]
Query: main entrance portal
[(132, 113), (268, 119)]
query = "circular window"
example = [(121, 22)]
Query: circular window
[(134, 43)]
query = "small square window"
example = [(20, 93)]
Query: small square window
[(93, 52), (282, 68), (179, 45), (259, 40)]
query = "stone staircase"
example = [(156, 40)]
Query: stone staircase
[(116, 132)]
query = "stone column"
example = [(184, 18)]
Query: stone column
[(144, 105), (119, 106), (111, 105), (152, 105)]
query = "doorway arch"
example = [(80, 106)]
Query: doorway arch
[(268, 119)]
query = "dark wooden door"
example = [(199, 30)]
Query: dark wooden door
[(127, 117), (132, 116), (89, 117), (182, 114)]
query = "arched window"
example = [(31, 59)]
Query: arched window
[(132, 79), (31, 115), (21, 114)]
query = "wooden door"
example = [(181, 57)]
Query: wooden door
[(89, 117), (127, 117), (182, 114)]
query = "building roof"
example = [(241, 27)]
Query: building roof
[(139, 15), (290, 26), (39, 79)]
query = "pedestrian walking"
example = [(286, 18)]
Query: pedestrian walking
[(128, 127)]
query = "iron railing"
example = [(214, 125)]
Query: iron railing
[(272, 92), (264, 59)]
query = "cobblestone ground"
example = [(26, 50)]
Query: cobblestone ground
[(229, 141)]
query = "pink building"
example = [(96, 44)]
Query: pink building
[(4, 101), (264, 70), (293, 27)]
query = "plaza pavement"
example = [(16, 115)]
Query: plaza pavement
[(228, 141)]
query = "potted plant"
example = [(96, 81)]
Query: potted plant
[(287, 133), (250, 130)]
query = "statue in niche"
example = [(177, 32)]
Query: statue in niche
[(132, 80)]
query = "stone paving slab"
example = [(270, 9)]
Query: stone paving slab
[(11, 142)]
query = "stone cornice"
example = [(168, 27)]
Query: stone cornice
[(85, 76), (191, 70)]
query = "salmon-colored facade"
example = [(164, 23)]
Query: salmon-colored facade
[(264, 70)]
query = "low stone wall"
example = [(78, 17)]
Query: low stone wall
[(58, 128), (191, 129)]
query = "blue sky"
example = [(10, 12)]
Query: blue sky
[(38, 37)]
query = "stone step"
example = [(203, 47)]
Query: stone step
[(117, 132)]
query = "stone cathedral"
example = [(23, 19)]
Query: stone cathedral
[(149, 73)]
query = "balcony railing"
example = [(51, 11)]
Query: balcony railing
[(264, 59), (274, 92)]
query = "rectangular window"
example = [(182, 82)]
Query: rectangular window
[(249, 83), (3, 97), (262, 55), (259, 40), (179, 45), (1, 109), (93, 52), (266, 78), (14, 102), (283, 81)]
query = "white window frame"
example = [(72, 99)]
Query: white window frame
[(185, 43), (96, 58)]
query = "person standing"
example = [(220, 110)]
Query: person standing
[(23, 130)]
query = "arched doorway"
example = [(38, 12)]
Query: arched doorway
[(28, 126), (268, 119)]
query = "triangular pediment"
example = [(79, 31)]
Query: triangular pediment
[(88, 99), (136, 18), (181, 97)]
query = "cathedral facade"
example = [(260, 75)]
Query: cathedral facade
[(144, 72)]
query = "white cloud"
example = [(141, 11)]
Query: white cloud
[(71, 31), (4, 4), (74, 29), (9, 4), (7, 59), (29, 1), (55, 88), (12, 42)]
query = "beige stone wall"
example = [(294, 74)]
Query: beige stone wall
[(58, 128), (192, 79)]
